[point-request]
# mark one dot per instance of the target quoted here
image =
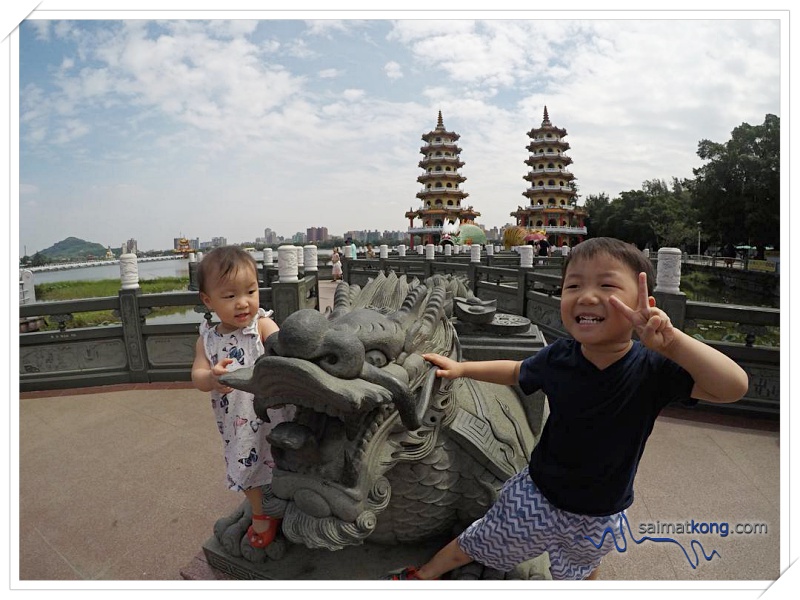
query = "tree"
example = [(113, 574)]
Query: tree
[(39, 260), (737, 192)]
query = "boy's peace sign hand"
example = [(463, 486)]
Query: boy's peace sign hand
[(651, 324)]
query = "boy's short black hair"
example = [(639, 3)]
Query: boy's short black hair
[(624, 252), (222, 262)]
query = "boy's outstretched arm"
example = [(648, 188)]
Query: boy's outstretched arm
[(717, 378), (504, 372)]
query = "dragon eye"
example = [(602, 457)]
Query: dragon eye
[(376, 358)]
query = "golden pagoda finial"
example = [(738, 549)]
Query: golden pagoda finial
[(546, 119), (439, 122)]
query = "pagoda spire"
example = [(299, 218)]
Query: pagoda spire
[(440, 122), (546, 118)]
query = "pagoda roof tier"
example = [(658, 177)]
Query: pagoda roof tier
[(548, 173), (536, 144), (432, 135), (438, 191), (535, 159), (550, 209), (449, 175), (445, 145), (549, 191), (537, 131), (434, 160)]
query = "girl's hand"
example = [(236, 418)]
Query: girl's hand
[(218, 371), (448, 368), (651, 324)]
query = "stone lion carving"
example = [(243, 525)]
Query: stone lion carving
[(380, 448)]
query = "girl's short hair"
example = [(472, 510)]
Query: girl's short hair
[(222, 262), (624, 252)]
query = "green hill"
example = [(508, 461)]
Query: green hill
[(74, 248)]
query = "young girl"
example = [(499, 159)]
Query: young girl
[(228, 281)]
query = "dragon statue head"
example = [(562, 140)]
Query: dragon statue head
[(365, 401)]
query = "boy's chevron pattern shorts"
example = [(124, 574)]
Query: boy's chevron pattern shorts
[(522, 524)]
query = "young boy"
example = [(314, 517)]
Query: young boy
[(604, 391)]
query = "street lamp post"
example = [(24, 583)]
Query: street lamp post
[(699, 223)]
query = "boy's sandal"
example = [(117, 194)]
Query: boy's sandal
[(264, 538), (407, 573)]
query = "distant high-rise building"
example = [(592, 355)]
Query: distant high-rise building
[(299, 238), (130, 247), (317, 234), (270, 237)]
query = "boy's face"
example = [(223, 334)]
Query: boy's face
[(586, 312), (234, 298)]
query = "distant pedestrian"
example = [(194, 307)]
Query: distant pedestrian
[(729, 254), (350, 248), (336, 262)]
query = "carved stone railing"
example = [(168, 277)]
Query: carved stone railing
[(534, 292), (131, 350), (137, 351)]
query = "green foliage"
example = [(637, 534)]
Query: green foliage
[(73, 290), (735, 196), (100, 288), (737, 191), (74, 249)]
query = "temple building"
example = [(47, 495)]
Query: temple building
[(441, 195), (552, 195)]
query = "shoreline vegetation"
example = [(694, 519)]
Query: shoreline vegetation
[(101, 288), (696, 286)]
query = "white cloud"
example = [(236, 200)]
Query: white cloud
[(393, 70), (329, 73)]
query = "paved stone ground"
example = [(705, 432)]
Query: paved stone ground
[(127, 483)]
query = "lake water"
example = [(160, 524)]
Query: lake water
[(147, 269)]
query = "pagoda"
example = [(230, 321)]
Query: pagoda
[(551, 195), (440, 194)]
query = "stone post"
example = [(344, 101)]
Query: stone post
[(420, 249), (667, 293), (131, 318), (299, 251), (448, 250), (268, 258), (489, 250), (27, 290), (287, 264), (475, 253), (310, 258), (401, 250), (384, 251), (429, 251), (525, 256), (129, 272)]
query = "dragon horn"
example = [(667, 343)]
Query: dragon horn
[(409, 305)]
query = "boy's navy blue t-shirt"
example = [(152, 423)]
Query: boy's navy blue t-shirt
[(599, 421)]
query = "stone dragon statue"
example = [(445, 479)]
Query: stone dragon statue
[(380, 448)]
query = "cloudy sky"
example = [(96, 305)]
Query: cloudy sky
[(155, 129)]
